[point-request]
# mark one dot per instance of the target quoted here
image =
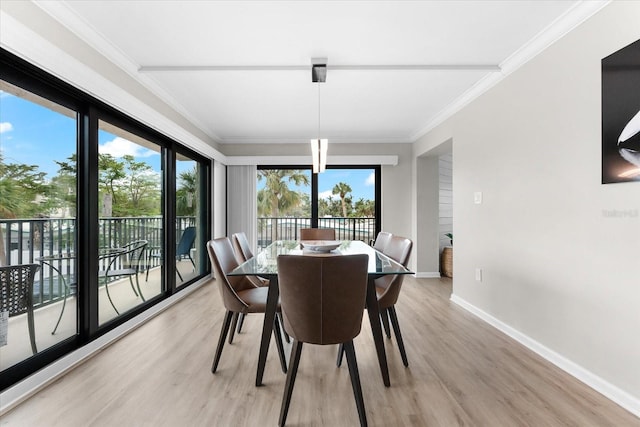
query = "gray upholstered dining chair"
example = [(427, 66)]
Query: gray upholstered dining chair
[(16, 294), (317, 234), (381, 241), (388, 289), (243, 254), (323, 300), (239, 295)]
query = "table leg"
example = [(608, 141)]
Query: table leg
[(374, 318), (267, 326)]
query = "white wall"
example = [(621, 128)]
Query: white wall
[(556, 268)]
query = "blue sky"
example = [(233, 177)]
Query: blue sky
[(35, 135)]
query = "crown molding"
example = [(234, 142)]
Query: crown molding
[(65, 15), (20, 40), (565, 23)]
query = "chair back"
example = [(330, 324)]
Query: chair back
[(399, 249), (16, 288), (382, 239), (132, 257), (317, 234), (224, 261), (241, 244), (186, 241), (322, 297)]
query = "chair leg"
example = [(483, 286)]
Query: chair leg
[(178, 272), (396, 329), (106, 287), (355, 381), (291, 379), (340, 354), (223, 336), (138, 286), (286, 335), (234, 322), (384, 316), (64, 304), (32, 330), (240, 322), (279, 345), (133, 288)]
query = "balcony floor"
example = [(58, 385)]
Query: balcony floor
[(18, 346)]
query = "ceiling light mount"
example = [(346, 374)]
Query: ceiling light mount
[(318, 70)]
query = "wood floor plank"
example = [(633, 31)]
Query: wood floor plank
[(462, 372)]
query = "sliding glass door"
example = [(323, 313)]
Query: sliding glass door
[(190, 184), (101, 217), (345, 199), (347, 202), (38, 199), (130, 220)]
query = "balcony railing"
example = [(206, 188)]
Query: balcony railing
[(28, 240), (288, 228)]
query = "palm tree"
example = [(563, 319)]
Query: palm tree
[(276, 197), (342, 189), (187, 193)]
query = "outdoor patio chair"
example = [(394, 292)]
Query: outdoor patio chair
[(16, 294), (124, 261)]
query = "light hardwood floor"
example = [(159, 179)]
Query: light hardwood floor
[(462, 372)]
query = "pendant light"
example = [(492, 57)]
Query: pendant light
[(319, 145)]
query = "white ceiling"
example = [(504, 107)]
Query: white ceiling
[(277, 102)]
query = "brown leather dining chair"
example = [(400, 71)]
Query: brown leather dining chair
[(317, 234), (238, 294), (323, 301), (382, 239), (243, 254), (388, 289)]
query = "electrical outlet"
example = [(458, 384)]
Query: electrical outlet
[(478, 275), (477, 197)]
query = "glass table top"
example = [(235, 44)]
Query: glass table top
[(265, 262)]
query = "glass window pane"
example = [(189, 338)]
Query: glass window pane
[(346, 203), (189, 245), (284, 204), (38, 143), (130, 221)]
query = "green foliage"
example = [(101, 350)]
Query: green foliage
[(22, 191), (187, 193), (276, 198), (342, 189)]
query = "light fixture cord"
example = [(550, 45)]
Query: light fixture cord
[(318, 110)]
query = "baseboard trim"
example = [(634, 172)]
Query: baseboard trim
[(13, 396), (428, 275), (617, 395)]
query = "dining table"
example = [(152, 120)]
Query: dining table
[(265, 264)]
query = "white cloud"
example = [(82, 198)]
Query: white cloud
[(5, 127), (120, 147), (371, 180), (325, 194)]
